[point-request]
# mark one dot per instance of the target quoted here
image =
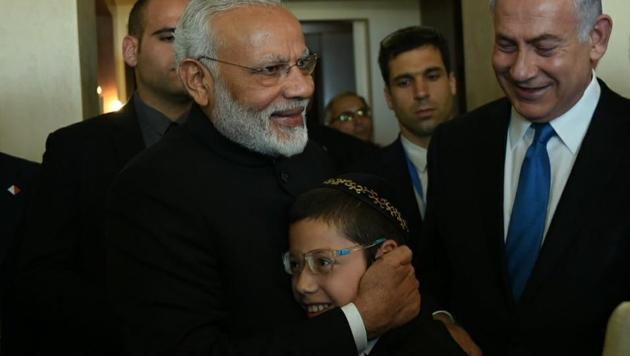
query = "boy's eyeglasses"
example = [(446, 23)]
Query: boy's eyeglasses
[(272, 74), (319, 261), (350, 115)]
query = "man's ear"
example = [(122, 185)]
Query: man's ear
[(600, 35), (130, 48), (386, 247), (197, 80)]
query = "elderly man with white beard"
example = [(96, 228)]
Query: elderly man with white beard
[(197, 223)]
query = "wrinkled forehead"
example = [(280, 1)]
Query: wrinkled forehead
[(261, 32), (348, 102)]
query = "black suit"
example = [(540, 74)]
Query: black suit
[(197, 226), (418, 337), (60, 289), (582, 269), (343, 150), (17, 181), (17, 177), (390, 163)]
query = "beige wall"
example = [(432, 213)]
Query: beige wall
[(120, 10), (382, 18), (481, 84), (40, 72), (615, 67)]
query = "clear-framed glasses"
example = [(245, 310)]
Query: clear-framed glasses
[(347, 116), (320, 261), (272, 74)]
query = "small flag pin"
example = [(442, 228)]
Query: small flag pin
[(14, 189)]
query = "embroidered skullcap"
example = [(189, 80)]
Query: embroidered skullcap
[(372, 190)]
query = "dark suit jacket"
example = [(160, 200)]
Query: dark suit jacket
[(418, 337), (582, 270), (390, 163), (60, 282), (197, 226), (20, 174), (343, 150)]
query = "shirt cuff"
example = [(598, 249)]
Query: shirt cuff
[(356, 326), (443, 312)]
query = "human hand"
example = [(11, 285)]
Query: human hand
[(461, 336), (388, 294)]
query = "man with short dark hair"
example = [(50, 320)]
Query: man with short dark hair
[(194, 260), (420, 89), (60, 290), (527, 227)]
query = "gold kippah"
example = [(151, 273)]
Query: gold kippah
[(369, 196)]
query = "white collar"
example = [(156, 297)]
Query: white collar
[(570, 127), (370, 346), (417, 154)]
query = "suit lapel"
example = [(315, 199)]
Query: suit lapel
[(490, 187), (127, 138), (584, 185)]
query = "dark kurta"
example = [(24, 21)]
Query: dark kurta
[(197, 226)]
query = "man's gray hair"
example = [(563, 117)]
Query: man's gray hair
[(194, 36), (586, 12)]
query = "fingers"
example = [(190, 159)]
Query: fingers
[(400, 255), (388, 293)]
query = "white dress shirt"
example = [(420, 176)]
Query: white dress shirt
[(418, 156), (563, 148), (356, 326)]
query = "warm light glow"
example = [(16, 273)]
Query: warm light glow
[(114, 105), (99, 90)]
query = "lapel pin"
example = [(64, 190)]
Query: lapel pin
[(14, 189)]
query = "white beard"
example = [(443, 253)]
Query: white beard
[(254, 129)]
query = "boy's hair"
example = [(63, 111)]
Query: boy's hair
[(357, 220)]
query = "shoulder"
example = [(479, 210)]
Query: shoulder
[(375, 161), (498, 110), (612, 102), (95, 127), (18, 168)]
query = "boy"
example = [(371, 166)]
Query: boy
[(336, 231)]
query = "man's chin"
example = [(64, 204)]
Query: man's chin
[(290, 142)]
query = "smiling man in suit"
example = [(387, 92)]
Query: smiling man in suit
[(528, 229), (60, 283)]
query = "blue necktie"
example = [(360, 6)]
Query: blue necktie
[(529, 212)]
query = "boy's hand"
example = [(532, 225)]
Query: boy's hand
[(388, 293)]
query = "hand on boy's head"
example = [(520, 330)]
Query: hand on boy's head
[(388, 294)]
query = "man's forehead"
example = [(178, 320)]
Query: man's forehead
[(160, 14), (269, 32), (417, 60), (342, 103), (534, 18)]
